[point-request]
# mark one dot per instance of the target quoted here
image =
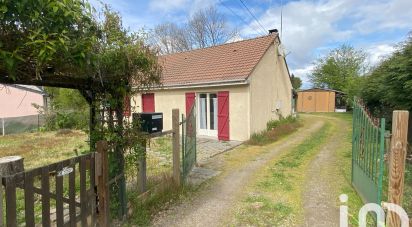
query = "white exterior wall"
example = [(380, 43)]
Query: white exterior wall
[(168, 99), (270, 87)]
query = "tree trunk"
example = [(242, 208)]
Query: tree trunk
[(10, 165)]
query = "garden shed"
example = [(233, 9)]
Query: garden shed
[(320, 100)]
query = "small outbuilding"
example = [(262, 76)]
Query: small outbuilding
[(320, 100)]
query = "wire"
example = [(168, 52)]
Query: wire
[(250, 12), (237, 15), (25, 94)]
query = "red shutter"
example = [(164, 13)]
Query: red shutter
[(148, 103), (190, 100), (223, 115), (127, 106)]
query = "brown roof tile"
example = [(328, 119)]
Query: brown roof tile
[(227, 62)]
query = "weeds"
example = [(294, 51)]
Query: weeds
[(275, 130), (39, 149), (270, 213), (158, 198)]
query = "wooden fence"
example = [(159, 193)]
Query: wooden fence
[(74, 192), (67, 193)]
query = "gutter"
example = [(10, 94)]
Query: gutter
[(203, 84), (41, 91)]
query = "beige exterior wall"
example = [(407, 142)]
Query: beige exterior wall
[(168, 99), (316, 101), (270, 88)]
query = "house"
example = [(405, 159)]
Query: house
[(236, 87), (320, 100), (17, 112), (17, 100)]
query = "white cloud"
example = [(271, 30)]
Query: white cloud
[(168, 5), (303, 74), (383, 15), (378, 52), (187, 6), (312, 28), (306, 25)]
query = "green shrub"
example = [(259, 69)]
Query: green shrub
[(275, 129), (276, 123)]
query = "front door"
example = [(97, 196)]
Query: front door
[(207, 112)]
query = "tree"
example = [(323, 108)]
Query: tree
[(296, 82), (389, 85), (67, 109), (341, 70), (171, 39), (42, 36), (204, 28), (64, 44)]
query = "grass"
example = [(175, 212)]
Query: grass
[(345, 166), (162, 192), (355, 203), (407, 200), (158, 199), (275, 199), (275, 130), (39, 149)]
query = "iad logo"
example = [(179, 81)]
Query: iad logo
[(372, 207)]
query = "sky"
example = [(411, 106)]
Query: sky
[(311, 28)]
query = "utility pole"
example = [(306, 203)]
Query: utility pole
[(281, 19)]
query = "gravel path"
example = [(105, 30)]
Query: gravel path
[(210, 206), (320, 195)]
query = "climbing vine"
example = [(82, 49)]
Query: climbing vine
[(64, 43)]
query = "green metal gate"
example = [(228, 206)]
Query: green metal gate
[(188, 142), (368, 145)]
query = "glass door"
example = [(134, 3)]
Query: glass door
[(207, 112)]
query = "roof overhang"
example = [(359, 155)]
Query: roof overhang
[(202, 85), (323, 89)]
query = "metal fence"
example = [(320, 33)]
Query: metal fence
[(12, 125), (368, 145), (188, 142)]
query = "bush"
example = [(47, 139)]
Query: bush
[(276, 123), (275, 130), (66, 120)]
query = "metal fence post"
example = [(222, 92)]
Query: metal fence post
[(176, 146), (2, 126), (397, 160), (1, 202)]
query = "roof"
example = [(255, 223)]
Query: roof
[(324, 89), (224, 63)]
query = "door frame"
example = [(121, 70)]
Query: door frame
[(207, 131)]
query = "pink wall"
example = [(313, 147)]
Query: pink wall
[(16, 102)]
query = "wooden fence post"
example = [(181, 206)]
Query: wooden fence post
[(102, 175), (176, 146), (397, 158)]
